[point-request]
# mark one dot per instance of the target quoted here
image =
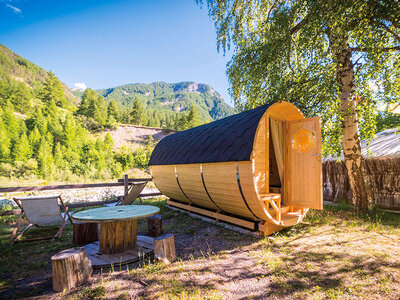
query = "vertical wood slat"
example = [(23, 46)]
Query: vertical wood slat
[(191, 183), (126, 184), (119, 236), (164, 179)]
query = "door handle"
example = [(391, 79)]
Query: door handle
[(319, 155)]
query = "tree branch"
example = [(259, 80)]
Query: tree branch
[(298, 26), (390, 31), (367, 49), (272, 7)]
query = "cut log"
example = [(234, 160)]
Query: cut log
[(71, 268), (117, 237), (85, 233), (164, 248), (154, 225)]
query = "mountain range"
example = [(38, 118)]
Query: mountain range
[(176, 97), (27, 79)]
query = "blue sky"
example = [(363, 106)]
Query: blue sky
[(103, 43)]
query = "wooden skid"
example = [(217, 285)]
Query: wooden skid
[(99, 260), (265, 228), (213, 215)]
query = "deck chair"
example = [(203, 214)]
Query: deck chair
[(134, 193), (41, 211)]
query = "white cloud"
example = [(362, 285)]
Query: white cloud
[(15, 9), (80, 85)]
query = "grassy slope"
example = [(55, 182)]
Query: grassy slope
[(336, 255), (21, 69)]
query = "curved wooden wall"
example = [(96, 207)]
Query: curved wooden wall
[(231, 187)]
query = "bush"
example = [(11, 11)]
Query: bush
[(25, 169), (6, 170)]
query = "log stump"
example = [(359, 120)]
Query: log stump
[(85, 233), (71, 268), (154, 225), (117, 237), (164, 248)]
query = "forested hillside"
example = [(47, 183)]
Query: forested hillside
[(164, 104), (50, 138)]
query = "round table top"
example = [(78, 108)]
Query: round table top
[(115, 213)]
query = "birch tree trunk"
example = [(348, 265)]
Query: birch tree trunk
[(355, 166)]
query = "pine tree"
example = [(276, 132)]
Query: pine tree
[(38, 120), (22, 149), (112, 110), (193, 118), (138, 116), (53, 91), (58, 157), (5, 142), (45, 158), (93, 106), (181, 122), (11, 122), (108, 142), (34, 140), (87, 97)]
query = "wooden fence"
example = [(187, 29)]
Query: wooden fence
[(125, 182)]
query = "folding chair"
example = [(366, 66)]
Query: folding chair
[(134, 193), (41, 211)]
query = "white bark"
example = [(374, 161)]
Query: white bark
[(359, 182)]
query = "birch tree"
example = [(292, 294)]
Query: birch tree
[(337, 59)]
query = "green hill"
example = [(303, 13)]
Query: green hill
[(24, 81), (172, 97), (50, 140)]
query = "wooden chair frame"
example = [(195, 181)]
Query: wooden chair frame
[(14, 238), (131, 196)]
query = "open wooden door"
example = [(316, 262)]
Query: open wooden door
[(303, 167)]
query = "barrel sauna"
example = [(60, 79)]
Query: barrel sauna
[(260, 169)]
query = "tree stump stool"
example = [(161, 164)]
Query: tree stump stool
[(85, 233), (71, 268), (164, 248), (154, 225)]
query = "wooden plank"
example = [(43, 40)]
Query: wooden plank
[(126, 185), (221, 182), (69, 186), (249, 189), (57, 187), (100, 260), (189, 176), (11, 212), (165, 180), (259, 155), (133, 180), (214, 215)]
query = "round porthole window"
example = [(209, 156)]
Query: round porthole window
[(303, 140)]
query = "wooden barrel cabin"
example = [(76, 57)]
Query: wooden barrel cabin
[(260, 169)]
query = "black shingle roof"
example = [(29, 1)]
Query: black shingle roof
[(228, 139)]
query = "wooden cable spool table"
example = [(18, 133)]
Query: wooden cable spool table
[(118, 233)]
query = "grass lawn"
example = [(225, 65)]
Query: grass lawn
[(335, 255)]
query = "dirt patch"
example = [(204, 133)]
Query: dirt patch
[(135, 136)]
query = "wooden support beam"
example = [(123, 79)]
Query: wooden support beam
[(11, 212), (214, 215)]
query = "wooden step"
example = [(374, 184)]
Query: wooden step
[(290, 218), (284, 209)]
